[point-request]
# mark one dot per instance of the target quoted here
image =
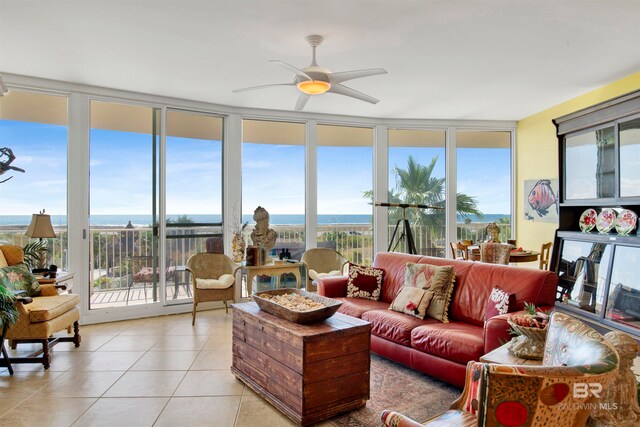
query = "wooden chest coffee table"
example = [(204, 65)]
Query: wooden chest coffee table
[(309, 372)]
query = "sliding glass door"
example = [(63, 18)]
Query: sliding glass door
[(123, 218)]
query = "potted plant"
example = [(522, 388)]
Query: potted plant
[(8, 311), (32, 251)]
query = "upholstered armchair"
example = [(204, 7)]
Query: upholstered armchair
[(322, 262), (577, 367), (47, 314), (213, 277)]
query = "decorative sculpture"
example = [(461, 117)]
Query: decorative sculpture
[(494, 232), (5, 165), (262, 235)]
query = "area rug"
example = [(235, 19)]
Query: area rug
[(396, 387)]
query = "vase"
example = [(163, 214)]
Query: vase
[(237, 247)]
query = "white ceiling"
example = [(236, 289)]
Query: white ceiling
[(451, 59)]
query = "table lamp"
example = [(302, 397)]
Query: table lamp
[(41, 228)]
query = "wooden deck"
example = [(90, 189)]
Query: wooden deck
[(118, 297)]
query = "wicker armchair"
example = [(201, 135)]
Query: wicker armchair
[(213, 279), (533, 396), (322, 262), (44, 316)]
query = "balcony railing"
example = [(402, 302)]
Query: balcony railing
[(111, 247)]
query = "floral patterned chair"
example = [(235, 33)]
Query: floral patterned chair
[(577, 367), (47, 313), (495, 253)]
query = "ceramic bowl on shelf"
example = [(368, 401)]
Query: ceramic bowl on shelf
[(606, 220), (588, 220), (626, 222)]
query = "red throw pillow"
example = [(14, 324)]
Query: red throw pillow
[(364, 282), (499, 302)]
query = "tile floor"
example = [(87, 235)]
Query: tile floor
[(150, 372)]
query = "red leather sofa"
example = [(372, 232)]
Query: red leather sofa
[(442, 350)]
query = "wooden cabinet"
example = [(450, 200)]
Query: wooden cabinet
[(599, 167), (309, 372)]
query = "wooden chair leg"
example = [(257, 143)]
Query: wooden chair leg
[(226, 307), (46, 357), (193, 314), (76, 334), (14, 344), (69, 329)]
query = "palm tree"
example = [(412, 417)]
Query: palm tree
[(416, 185)]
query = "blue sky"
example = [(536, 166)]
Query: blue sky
[(273, 175)]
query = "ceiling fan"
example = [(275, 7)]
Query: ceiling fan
[(315, 80)]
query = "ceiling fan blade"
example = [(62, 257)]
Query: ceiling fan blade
[(302, 101), (343, 76), (347, 91), (262, 87), (296, 71)]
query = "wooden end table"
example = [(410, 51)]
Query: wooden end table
[(308, 372), (272, 270), (502, 356)]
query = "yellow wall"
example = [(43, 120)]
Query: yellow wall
[(537, 153)]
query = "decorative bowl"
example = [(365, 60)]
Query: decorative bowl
[(529, 344), (303, 317)]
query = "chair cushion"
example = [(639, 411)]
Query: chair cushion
[(455, 341), (18, 277), (43, 309), (315, 275), (394, 326), (13, 254), (225, 281), (356, 307), (364, 282)]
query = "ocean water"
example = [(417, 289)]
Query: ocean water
[(145, 220)]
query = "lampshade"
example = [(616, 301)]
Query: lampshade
[(314, 87), (40, 227)]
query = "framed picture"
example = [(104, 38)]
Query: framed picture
[(541, 200)]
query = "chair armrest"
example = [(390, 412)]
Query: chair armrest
[(49, 290), (396, 419), (333, 287)]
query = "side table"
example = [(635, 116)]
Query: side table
[(272, 270), (502, 356), (63, 278)]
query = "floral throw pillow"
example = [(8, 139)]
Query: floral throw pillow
[(413, 301), (499, 302), (364, 282), (437, 279), (18, 277)]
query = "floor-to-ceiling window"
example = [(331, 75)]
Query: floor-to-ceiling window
[(483, 183), (273, 177), (193, 194), (33, 170), (417, 171), (345, 191)]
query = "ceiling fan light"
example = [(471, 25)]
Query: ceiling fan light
[(314, 87)]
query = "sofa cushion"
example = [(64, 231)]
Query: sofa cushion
[(470, 296), (43, 309), (437, 279), (18, 277), (455, 341), (499, 302), (394, 265), (412, 301), (364, 282), (394, 326), (356, 307)]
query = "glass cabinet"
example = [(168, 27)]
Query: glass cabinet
[(590, 165), (623, 302)]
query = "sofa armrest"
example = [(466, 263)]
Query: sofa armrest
[(333, 287), (496, 331)]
